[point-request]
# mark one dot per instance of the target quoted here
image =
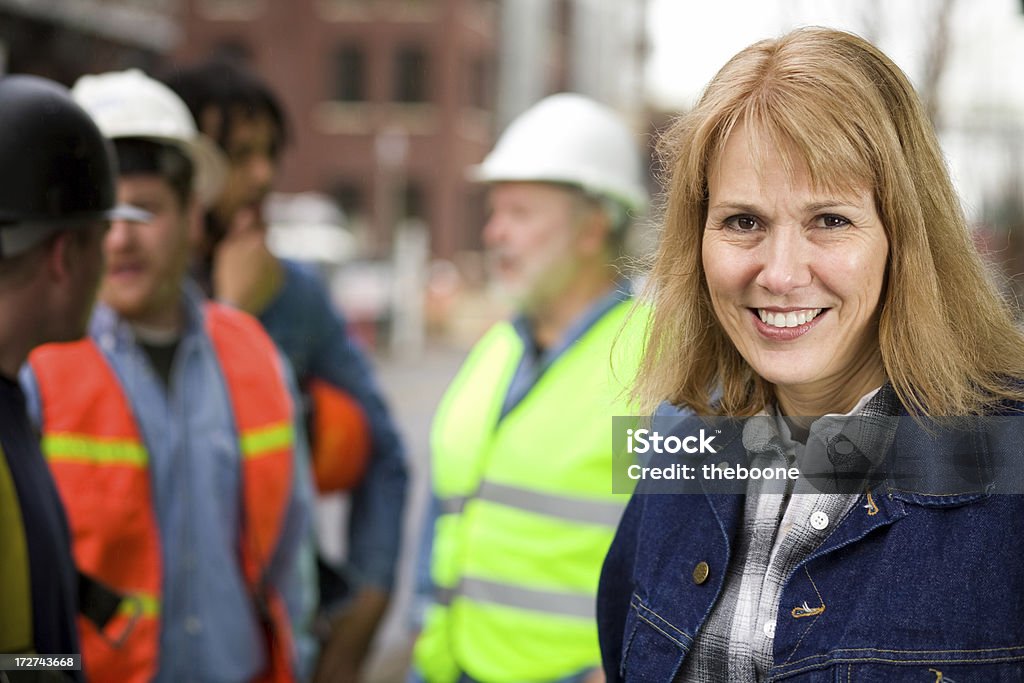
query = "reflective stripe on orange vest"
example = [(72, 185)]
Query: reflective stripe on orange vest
[(100, 464)]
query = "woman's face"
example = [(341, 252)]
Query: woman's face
[(795, 276)]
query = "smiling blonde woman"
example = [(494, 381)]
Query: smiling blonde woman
[(816, 271), (832, 106)]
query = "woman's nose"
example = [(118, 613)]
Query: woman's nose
[(785, 261)]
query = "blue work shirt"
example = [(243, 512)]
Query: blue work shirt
[(312, 333), (209, 627)]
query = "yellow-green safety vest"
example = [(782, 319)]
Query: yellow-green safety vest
[(527, 512)]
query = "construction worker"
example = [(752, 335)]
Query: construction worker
[(56, 197), (171, 432), (234, 107), (522, 439)]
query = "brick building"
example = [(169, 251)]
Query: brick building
[(389, 101)]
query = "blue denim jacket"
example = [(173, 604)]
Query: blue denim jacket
[(209, 627), (920, 582), (311, 332)]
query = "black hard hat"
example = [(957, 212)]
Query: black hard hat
[(56, 168)]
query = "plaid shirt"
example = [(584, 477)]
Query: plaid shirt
[(735, 643)]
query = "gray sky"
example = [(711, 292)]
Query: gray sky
[(691, 39)]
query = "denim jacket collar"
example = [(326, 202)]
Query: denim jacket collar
[(927, 462)]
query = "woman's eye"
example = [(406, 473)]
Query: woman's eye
[(742, 223), (831, 220)]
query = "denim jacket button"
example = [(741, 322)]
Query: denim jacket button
[(700, 573)]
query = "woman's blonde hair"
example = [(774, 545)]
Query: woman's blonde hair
[(833, 103)]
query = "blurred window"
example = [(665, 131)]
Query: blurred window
[(414, 200), (351, 197), (411, 74), (480, 83), (350, 74), (475, 212), (232, 10), (234, 49)]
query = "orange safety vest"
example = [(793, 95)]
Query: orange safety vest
[(101, 467)]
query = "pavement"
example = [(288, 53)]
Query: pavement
[(413, 387)]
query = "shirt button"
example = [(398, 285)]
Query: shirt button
[(769, 629), (700, 573), (843, 447), (819, 520), (193, 626)]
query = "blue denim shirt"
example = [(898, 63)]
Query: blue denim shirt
[(309, 330), (920, 580), (209, 627)]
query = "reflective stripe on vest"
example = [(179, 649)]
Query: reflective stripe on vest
[(264, 441), (563, 507), (140, 604), (600, 512), (564, 604), (527, 510), (100, 464), (81, 448)]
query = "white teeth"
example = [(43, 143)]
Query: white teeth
[(789, 319)]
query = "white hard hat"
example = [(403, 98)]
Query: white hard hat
[(130, 104), (568, 138)]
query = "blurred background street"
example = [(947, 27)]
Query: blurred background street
[(414, 388)]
